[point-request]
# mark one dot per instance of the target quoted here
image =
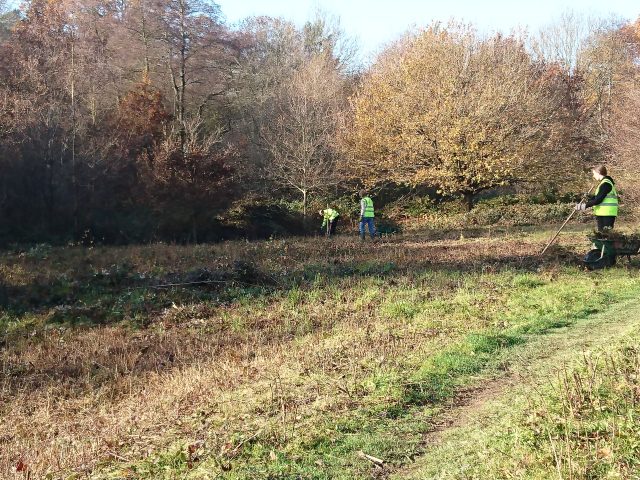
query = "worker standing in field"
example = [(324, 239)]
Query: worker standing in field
[(330, 220), (605, 200), (366, 215)]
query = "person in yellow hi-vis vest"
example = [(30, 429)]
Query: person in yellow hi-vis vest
[(366, 215), (329, 220), (605, 201)]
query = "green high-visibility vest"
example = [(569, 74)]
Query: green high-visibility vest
[(609, 206), (329, 215), (368, 207)]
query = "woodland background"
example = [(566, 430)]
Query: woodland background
[(125, 121)]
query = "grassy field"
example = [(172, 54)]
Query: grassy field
[(299, 358), (567, 409)]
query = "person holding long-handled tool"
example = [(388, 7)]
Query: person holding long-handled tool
[(604, 203)]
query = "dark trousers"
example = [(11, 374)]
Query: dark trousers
[(331, 227), (605, 222)]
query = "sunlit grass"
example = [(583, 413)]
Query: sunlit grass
[(326, 351), (577, 418)]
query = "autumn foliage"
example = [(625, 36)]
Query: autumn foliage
[(141, 120), (624, 125), (447, 108)]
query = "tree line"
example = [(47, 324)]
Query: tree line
[(138, 120)]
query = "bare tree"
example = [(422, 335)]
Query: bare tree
[(280, 66), (271, 54), (563, 41), (301, 132), (604, 64), (593, 53), (197, 54), (324, 34)]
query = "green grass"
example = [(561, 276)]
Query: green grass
[(324, 351), (575, 419), (392, 405)]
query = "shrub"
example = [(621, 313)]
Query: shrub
[(261, 220)]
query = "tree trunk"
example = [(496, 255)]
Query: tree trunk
[(304, 211), (468, 200), (50, 189), (74, 173), (304, 204), (145, 40), (183, 78), (194, 228)]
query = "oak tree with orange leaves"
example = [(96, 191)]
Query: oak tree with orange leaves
[(447, 108)]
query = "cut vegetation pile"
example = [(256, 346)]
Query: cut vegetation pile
[(289, 359)]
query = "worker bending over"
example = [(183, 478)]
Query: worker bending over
[(330, 220), (605, 200), (366, 215)]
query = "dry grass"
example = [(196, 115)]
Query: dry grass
[(218, 374)]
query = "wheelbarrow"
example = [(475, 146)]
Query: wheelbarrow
[(606, 250)]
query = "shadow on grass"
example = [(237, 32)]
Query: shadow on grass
[(121, 293)]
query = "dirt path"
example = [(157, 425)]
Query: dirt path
[(529, 365)]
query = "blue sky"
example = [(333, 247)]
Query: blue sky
[(376, 22)]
